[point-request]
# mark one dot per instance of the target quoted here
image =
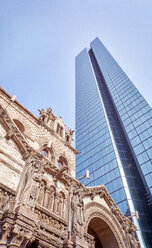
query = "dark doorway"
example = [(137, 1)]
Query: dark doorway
[(103, 235), (33, 244), (98, 243)]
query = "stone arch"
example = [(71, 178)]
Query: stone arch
[(52, 187), (97, 213), (63, 194), (48, 152), (19, 125), (44, 150), (44, 181), (63, 161)]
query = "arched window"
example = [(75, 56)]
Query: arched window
[(19, 125), (58, 128), (48, 153), (61, 131), (44, 152), (62, 162), (67, 138)]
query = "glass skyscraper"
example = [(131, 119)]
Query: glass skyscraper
[(114, 135)]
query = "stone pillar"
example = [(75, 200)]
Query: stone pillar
[(46, 198), (51, 199), (17, 236), (5, 233), (55, 203), (41, 194), (60, 204), (63, 208)]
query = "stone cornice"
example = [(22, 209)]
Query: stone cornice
[(7, 189)]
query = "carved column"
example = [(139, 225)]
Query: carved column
[(56, 198), (41, 194), (60, 204), (64, 208), (46, 197), (90, 240), (19, 237), (5, 234), (51, 199)]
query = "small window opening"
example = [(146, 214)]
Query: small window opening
[(60, 164), (58, 127), (61, 131), (44, 153)]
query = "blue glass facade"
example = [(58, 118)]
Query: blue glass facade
[(114, 134)]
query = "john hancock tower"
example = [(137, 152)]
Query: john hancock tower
[(114, 135)]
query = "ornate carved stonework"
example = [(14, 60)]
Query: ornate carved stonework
[(49, 208)]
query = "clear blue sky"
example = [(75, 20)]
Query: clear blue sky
[(39, 40)]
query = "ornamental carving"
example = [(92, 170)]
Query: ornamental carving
[(7, 198), (113, 226), (30, 179), (45, 115)]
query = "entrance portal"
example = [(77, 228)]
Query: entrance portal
[(103, 235)]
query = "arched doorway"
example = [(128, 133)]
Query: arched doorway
[(103, 235)]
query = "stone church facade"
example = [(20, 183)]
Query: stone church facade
[(42, 205)]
